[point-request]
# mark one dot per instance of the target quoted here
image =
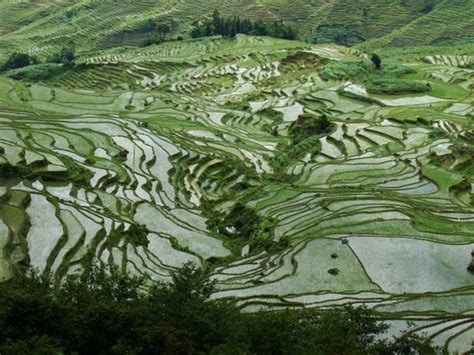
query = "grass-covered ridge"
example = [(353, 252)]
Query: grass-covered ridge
[(42, 27), (294, 186)]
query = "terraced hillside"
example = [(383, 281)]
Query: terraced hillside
[(147, 158), (43, 27)]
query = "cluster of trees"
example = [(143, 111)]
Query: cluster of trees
[(18, 60), (153, 26), (230, 27), (157, 32), (112, 313), (66, 56), (308, 125)]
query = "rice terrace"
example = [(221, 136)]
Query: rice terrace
[(307, 154)]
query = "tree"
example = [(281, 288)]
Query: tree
[(163, 28), (19, 60), (230, 27), (309, 125), (376, 60), (217, 22), (34, 345), (197, 31), (68, 55), (232, 32), (209, 29), (149, 26), (106, 311)]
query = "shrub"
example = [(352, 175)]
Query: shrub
[(34, 345)]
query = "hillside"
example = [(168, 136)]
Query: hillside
[(298, 174), (294, 174), (42, 27)]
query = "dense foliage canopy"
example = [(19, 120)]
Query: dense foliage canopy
[(229, 27), (102, 313)]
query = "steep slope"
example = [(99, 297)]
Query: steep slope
[(42, 27), (145, 159), (451, 22)]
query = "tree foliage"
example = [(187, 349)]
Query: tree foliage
[(376, 60), (230, 27), (108, 312), (308, 125), (18, 60), (66, 56)]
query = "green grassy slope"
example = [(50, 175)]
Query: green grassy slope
[(42, 27), (451, 22)]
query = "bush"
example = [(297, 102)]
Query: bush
[(297, 149), (67, 56), (394, 68), (241, 222)]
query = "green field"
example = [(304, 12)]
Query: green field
[(147, 158)]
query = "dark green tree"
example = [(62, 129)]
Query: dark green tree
[(106, 311), (376, 60), (230, 27), (68, 55), (19, 60), (217, 22), (163, 28)]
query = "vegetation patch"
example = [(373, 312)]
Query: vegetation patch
[(37, 72), (230, 27), (385, 85), (107, 313)]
